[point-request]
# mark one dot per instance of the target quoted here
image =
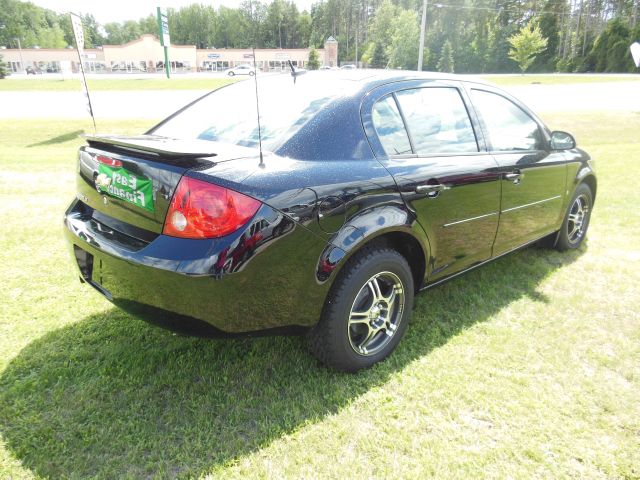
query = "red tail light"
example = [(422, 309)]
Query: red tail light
[(202, 210), (112, 162)]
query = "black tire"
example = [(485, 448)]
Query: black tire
[(251, 74), (231, 74), (332, 340), (571, 234)]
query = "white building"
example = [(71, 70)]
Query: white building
[(147, 55)]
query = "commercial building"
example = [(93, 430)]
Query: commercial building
[(146, 55)]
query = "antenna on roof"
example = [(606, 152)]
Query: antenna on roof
[(255, 82)]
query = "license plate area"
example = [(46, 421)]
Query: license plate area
[(126, 186)]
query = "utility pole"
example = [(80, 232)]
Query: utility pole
[(586, 29), (423, 27), (357, 31)]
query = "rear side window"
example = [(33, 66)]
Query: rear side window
[(507, 125), (390, 128), (228, 115), (437, 120)]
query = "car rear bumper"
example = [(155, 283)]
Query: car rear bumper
[(244, 282)]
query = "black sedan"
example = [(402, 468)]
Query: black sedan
[(357, 190)]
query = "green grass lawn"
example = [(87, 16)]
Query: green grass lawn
[(73, 84), (528, 79), (526, 368)]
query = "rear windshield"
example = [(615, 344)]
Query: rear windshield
[(229, 114)]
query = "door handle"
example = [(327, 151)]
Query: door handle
[(430, 188), (515, 176)]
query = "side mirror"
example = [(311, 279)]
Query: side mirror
[(562, 141)]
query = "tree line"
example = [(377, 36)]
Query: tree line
[(464, 36)]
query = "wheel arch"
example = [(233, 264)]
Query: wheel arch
[(591, 181), (409, 247), (408, 240), (585, 174)]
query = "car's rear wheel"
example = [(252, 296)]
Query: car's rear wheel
[(367, 311), (576, 221), (251, 74), (231, 74)]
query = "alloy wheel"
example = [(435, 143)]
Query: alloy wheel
[(376, 313), (578, 217)]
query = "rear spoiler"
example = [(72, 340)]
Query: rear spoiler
[(162, 146)]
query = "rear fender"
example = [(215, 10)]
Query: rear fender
[(368, 227)]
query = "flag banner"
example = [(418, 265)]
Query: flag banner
[(78, 33), (165, 40), (635, 52), (163, 21)]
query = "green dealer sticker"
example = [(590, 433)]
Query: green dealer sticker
[(120, 183)]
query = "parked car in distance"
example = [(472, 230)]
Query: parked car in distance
[(33, 71), (348, 67), (370, 187), (241, 70)]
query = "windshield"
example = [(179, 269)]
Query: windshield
[(229, 114)]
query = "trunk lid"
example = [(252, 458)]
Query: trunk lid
[(129, 181)]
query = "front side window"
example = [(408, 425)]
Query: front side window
[(389, 127), (437, 120), (507, 125)]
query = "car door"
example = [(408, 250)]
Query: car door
[(533, 176), (424, 136)]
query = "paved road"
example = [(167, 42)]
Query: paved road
[(157, 104)]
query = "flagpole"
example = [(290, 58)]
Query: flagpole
[(423, 27)]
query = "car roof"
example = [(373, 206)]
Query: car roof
[(322, 100), (359, 80)]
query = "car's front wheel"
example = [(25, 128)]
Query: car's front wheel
[(576, 221), (231, 74), (251, 74), (367, 311)]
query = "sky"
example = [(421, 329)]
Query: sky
[(105, 11)]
